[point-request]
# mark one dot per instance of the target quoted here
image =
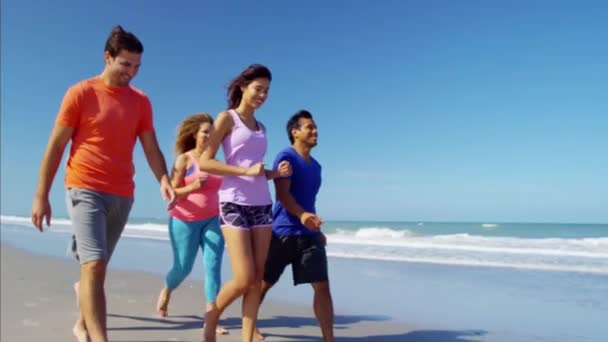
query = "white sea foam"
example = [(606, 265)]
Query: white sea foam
[(589, 255)]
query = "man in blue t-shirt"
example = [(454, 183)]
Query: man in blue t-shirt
[(296, 229)]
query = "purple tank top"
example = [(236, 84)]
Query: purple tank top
[(244, 147)]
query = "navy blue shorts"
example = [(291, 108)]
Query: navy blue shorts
[(306, 255)]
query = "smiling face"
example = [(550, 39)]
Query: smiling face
[(203, 135), (122, 68), (256, 92), (306, 132)]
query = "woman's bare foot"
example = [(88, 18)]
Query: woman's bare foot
[(257, 335), (220, 330), (163, 302)]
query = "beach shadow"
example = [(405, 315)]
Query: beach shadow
[(412, 336), (297, 322), (342, 322), (187, 322)]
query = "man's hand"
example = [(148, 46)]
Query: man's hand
[(311, 221), (323, 239), (167, 192), (284, 169), (41, 212)]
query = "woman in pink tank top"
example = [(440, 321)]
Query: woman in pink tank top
[(194, 221), (245, 202)]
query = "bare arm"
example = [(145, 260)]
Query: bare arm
[(287, 201), (41, 209), (157, 164), (271, 174), (310, 220), (154, 156), (177, 178), (223, 125), (283, 170)]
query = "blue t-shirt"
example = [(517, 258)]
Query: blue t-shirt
[(305, 184)]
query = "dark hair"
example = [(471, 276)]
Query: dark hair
[(294, 122), (120, 39), (243, 79)]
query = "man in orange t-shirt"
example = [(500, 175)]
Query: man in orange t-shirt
[(103, 117)]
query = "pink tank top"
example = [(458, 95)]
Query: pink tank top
[(202, 203)]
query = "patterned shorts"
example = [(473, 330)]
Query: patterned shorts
[(245, 216)]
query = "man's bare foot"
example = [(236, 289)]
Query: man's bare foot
[(257, 335), (208, 337), (163, 302), (80, 333), (79, 330), (210, 330)]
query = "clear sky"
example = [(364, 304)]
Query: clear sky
[(427, 110)]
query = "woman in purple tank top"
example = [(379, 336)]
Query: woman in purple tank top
[(245, 202)]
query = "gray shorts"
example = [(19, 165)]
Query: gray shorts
[(98, 220)]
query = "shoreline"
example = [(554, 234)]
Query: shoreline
[(38, 303), (374, 301)]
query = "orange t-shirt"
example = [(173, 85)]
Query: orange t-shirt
[(106, 121)]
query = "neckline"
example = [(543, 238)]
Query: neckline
[(309, 162), (110, 88), (258, 125), (194, 162)]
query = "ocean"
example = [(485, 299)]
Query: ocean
[(565, 247)]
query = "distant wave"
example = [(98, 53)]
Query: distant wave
[(587, 255), (586, 247), (603, 269), (62, 223)]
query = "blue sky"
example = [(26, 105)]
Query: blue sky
[(428, 110)]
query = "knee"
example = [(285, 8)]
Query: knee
[(186, 269), (322, 289), (259, 277), (244, 281), (94, 268), (181, 271)]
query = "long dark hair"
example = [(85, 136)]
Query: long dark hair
[(243, 79)]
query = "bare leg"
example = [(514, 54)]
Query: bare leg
[(251, 299), (92, 299), (79, 330), (241, 260), (163, 302), (257, 335), (324, 309), (219, 330)]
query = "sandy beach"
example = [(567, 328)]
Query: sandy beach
[(38, 303), (374, 300)]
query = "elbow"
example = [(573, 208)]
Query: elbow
[(280, 198)]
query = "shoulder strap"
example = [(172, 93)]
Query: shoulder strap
[(194, 162), (236, 120)]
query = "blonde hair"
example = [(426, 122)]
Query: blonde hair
[(187, 129)]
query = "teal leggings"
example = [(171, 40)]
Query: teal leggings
[(186, 237)]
